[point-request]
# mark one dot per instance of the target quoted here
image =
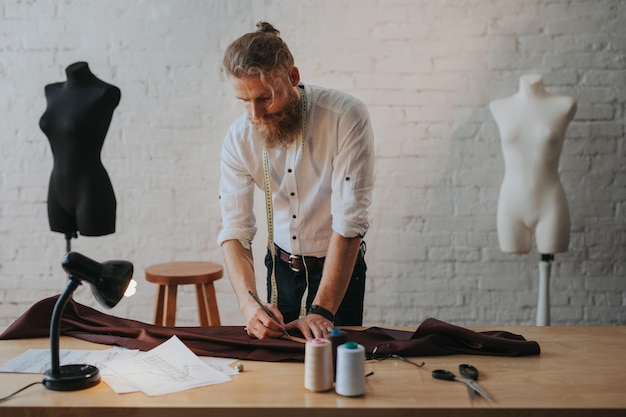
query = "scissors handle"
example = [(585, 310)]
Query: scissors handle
[(443, 374), (468, 371)]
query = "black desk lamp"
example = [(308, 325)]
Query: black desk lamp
[(108, 280)]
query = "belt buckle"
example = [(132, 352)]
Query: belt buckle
[(292, 259)]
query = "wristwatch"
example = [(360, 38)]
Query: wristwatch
[(315, 309)]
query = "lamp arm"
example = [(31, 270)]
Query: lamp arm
[(55, 323)]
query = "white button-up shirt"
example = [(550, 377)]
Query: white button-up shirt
[(322, 186)]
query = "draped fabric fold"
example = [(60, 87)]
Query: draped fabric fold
[(432, 337)]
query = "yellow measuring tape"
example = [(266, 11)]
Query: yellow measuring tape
[(269, 208)]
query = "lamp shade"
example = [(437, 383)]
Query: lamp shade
[(108, 280)]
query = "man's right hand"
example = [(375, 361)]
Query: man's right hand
[(260, 324)]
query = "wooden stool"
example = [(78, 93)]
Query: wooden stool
[(170, 275)]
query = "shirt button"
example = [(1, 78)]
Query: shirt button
[(292, 194), (293, 237), (289, 170)]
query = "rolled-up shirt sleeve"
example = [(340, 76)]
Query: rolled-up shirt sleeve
[(236, 196), (353, 173)]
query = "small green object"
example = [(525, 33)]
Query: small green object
[(351, 345)]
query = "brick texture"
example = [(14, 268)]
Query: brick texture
[(426, 69)]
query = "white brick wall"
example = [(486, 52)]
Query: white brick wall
[(427, 69)]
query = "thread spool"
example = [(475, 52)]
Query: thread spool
[(336, 338), (350, 370), (318, 365)]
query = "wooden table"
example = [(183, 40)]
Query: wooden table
[(580, 372)]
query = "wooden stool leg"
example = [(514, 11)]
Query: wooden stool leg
[(159, 308), (211, 304), (202, 305), (170, 305), (207, 305)]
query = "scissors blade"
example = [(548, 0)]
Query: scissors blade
[(474, 385), (471, 392)]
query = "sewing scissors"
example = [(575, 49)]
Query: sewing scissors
[(469, 375)]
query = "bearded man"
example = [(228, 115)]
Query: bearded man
[(311, 150)]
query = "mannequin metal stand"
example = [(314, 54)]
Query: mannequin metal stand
[(543, 300), (68, 241)]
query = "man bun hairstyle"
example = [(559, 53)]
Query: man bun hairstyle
[(267, 28), (261, 54)]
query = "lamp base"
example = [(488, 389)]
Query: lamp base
[(72, 378)]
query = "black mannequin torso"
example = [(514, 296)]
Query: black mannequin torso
[(76, 120)]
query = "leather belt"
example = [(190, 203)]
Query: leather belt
[(296, 262)]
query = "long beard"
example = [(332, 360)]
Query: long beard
[(279, 130)]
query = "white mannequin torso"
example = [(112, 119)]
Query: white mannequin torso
[(532, 125)]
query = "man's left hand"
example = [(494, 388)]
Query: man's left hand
[(312, 326)]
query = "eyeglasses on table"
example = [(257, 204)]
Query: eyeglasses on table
[(382, 352)]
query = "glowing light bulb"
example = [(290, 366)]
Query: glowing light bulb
[(131, 289)]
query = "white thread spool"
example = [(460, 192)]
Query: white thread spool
[(350, 370), (318, 365)]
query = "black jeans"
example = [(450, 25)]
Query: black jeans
[(291, 286)]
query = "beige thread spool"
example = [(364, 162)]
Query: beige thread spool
[(350, 370), (318, 365)]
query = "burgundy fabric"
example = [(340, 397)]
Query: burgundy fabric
[(432, 337)]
